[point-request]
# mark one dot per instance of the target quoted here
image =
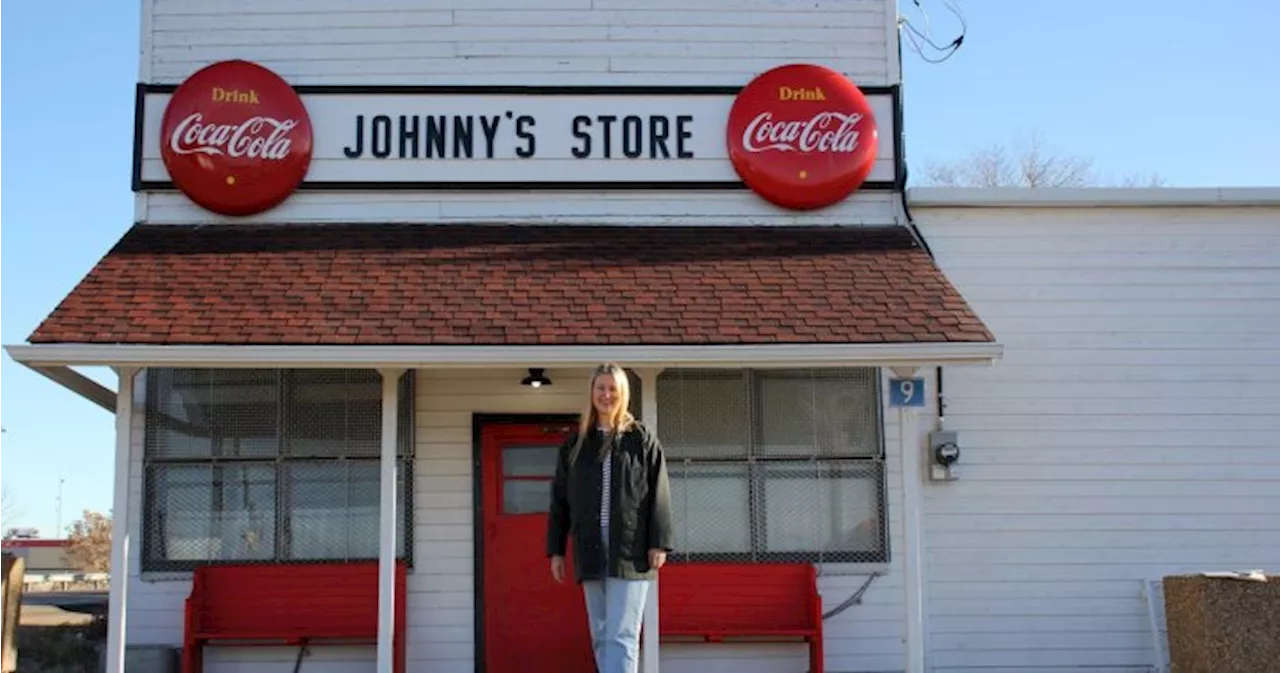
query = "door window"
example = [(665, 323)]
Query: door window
[(527, 471)]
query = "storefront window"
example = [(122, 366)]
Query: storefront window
[(268, 465), (775, 465)]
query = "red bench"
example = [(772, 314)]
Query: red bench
[(290, 604), (713, 602)]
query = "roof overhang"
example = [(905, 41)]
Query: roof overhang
[(56, 360), (481, 296), (1092, 197), (78, 383)]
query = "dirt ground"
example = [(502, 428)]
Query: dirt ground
[(48, 615)]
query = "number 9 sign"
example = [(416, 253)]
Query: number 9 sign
[(906, 392)]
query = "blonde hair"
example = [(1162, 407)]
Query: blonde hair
[(622, 419)]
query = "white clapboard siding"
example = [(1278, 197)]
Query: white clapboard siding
[(441, 608), (1127, 434), (440, 596), (155, 602), (570, 208), (865, 637), (524, 42)]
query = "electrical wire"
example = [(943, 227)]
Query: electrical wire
[(916, 37), (853, 599)]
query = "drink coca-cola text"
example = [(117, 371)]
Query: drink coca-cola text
[(236, 138), (824, 132), (255, 138), (802, 136)]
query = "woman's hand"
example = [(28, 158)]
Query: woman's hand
[(657, 558), (557, 569)]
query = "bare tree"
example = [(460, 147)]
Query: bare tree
[(90, 542), (10, 508), (1028, 164)]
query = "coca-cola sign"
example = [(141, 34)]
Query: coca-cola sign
[(236, 138), (802, 136)]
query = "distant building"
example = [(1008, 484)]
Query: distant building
[(42, 556)]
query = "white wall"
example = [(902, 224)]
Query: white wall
[(440, 603), (441, 613), (156, 601), (523, 42), (1128, 433)]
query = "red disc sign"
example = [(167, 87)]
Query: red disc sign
[(802, 136), (236, 138)]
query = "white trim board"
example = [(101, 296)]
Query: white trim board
[(781, 355), (1084, 197), (55, 360)]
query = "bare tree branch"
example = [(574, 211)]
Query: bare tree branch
[(1029, 163), (10, 508)]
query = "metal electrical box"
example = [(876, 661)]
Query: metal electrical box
[(944, 453)]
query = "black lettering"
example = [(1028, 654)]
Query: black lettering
[(632, 136), (607, 121), (530, 149), (354, 153), (408, 137), (489, 133), (380, 136), (658, 136), (462, 130), (585, 151), (683, 134), (435, 137)]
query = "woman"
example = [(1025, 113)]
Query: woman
[(611, 491)]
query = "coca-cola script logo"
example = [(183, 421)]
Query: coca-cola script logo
[(802, 136), (236, 138)]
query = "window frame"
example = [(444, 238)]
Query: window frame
[(757, 463), (406, 451)]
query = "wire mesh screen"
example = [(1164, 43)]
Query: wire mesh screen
[(269, 465), (774, 465)]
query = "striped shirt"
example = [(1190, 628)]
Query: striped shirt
[(606, 477)]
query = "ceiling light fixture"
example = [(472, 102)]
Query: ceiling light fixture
[(535, 379)]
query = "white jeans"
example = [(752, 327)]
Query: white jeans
[(615, 609)]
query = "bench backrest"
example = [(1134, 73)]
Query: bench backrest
[(314, 599), (726, 597)]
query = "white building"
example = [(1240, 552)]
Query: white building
[(1106, 358)]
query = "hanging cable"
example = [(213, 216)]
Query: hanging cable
[(919, 40), (854, 599)]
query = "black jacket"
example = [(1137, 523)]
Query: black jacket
[(640, 514)]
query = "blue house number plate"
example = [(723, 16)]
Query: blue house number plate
[(906, 392)]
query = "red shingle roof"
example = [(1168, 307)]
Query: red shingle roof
[(502, 284)]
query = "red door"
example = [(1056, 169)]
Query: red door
[(530, 622)]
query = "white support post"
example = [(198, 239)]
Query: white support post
[(387, 521), (649, 416), (117, 608), (912, 549)]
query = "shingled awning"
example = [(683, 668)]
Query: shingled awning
[(513, 285), (388, 295)]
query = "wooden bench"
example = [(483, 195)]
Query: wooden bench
[(714, 602), (292, 604)]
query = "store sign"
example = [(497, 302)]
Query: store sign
[(381, 138), (802, 136), (235, 138)]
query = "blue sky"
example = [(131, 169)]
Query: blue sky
[(1184, 89)]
